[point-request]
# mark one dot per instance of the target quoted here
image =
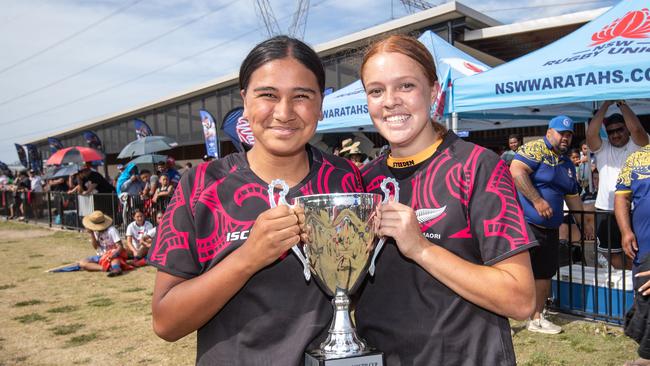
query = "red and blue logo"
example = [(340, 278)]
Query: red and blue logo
[(634, 25)]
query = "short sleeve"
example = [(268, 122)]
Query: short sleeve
[(114, 234), (173, 250), (496, 217), (624, 181), (531, 154), (129, 230), (575, 187)]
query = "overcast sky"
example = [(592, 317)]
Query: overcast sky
[(67, 62)]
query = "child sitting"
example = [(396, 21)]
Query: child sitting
[(111, 256), (135, 234)]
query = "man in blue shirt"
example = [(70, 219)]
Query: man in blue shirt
[(633, 187), (545, 178)]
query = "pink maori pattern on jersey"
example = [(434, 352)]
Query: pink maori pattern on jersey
[(423, 188), (210, 246), (169, 237), (509, 223), (351, 181)]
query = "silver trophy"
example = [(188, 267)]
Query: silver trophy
[(341, 232)]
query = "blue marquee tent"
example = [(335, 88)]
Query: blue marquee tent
[(608, 58)]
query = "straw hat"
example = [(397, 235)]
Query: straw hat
[(97, 221)]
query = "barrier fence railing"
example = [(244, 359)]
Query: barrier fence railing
[(60, 209), (584, 285)]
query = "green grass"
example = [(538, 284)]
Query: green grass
[(134, 289), (66, 329), (100, 302), (81, 340), (30, 318), (27, 303), (63, 309)]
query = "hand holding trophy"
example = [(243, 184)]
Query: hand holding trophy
[(340, 237)]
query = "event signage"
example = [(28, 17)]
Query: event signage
[(93, 141), (209, 134), (34, 158), (142, 129), (55, 144), (238, 129), (608, 58), (22, 155)]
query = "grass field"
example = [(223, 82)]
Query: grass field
[(83, 318)]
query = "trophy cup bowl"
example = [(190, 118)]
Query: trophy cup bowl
[(340, 242)]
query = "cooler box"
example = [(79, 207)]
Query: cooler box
[(596, 298)]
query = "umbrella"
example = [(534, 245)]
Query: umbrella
[(63, 171), (147, 145), (150, 159), (74, 154)]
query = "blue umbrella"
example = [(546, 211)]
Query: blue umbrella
[(147, 145)]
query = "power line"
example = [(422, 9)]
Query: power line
[(113, 86), (140, 45), (73, 35)]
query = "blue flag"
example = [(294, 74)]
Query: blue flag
[(142, 129), (22, 155), (55, 144), (93, 140), (210, 134), (34, 158), (238, 129)]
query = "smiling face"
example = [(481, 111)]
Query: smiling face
[(399, 101), (283, 105)]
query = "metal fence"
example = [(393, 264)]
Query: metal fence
[(60, 209), (581, 286)]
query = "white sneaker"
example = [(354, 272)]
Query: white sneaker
[(542, 325)]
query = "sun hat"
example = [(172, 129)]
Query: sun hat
[(97, 221), (350, 147)]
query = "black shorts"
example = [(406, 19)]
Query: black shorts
[(545, 257), (608, 233), (637, 319)]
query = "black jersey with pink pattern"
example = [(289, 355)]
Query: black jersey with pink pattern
[(277, 314), (407, 313)]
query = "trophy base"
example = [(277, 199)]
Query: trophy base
[(371, 358)]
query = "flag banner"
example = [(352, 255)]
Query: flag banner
[(34, 158), (142, 129), (22, 155), (4, 168), (210, 134), (55, 144), (93, 140), (238, 129)]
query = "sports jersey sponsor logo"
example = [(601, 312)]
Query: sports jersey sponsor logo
[(237, 235), (427, 214), (403, 164)]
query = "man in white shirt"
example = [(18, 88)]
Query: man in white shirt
[(625, 135)]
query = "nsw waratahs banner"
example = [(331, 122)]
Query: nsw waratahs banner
[(210, 134), (142, 129)]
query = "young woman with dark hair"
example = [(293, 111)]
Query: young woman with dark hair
[(223, 256)]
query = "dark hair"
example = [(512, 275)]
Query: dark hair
[(574, 150), (188, 164), (145, 171), (277, 48), (137, 211), (614, 118), (514, 136)]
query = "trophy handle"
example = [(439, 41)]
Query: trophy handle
[(381, 242), (282, 200)]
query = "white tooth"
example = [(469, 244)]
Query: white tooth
[(400, 118)]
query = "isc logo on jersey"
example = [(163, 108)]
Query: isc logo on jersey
[(237, 235)]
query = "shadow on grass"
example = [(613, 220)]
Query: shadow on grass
[(35, 255), (134, 289), (5, 287), (27, 303), (66, 329), (30, 318)]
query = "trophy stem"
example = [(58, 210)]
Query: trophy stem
[(342, 339)]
